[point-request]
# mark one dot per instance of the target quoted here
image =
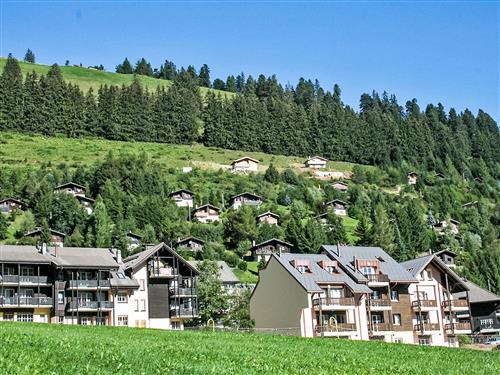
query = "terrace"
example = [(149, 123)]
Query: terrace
[(24, 280), (332, 330), (89, 305), (426, 327), (424, 304), (461, 328), (381, 327), (346, 303), (88, 284), (380, 304), (456, 305), (25, 301)]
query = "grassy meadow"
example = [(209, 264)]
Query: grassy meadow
[(23, 150), (55, 349), (87, 78)]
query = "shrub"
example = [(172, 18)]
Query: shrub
[(464, 340), (243, 265)]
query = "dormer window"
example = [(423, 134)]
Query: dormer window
[(330, 266), (330, 269), (303, 268), (367, 270)]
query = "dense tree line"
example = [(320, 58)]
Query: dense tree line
[(262, 116)]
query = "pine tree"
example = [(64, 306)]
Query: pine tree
[(125, 67), (204, 76), (143, 67), (362, 231), (272, 175), (29, 57), (11, 95), (4, 227)]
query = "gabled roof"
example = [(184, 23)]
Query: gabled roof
[(341, 202), (246, 193), (69, 184), (446, 251), (208, 205), (417, 265), (227, 276), (12, 200), (316, 157), (38, 230), (244, 158), (478, 294), (86, 199), (84, 257), (133, 235), (272, 240), (346, 256), (22, 254), (181, 191), (135, 261), (190, 238), (439, 174), (310, 281), (123, 282), (339, 183), (268, 213), (412, 173)]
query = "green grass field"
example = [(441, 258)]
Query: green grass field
[(22, 150), (86, 78), (53, 349)]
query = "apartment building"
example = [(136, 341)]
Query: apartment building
[(155, 288), (360, 293)]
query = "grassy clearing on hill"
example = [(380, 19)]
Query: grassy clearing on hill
[(43, 348), (87, 78), (22, 150)]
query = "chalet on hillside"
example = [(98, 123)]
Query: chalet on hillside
[(339, 207), (439, 176), (70, 188), (182, 197), (10, 204), (412, 178), (269, 218), (191, 243), (207, 213), (86, 202), (244, 164), (469, 204), (340, 186), (267, 248), (246, 199), (447, 257), (56, 237), (316, 162), (447, 225), (133, 240)]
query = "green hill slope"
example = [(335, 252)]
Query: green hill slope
[(87, 78), (43, 348)]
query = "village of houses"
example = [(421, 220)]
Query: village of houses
[(354, 292)]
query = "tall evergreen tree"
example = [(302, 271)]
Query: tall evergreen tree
[(29, 56)]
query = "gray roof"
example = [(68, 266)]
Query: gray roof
[(62, 186), (346, 254), (272, 240), (478, 294), (226, 274), (22, 254), (38, 230), (126, 282), (67, 257), (318, 275), (415, 266)]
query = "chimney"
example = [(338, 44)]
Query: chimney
[(44, 248), (55, 251), (118, 256), (253, 243)]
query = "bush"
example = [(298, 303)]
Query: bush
[(464, 340), (231, 258), (243, 265)]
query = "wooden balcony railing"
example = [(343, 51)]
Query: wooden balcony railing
[(346, 301), (339, 327), (16, 279), (182, 291), (426, 327), (424, 303), (92, 305), (380, 278), (379, 302), (181, 312), (163, 272), (89, 283), (381, 327), (458, 327), (455, 303), (25, 301)]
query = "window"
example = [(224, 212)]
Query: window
[(394, 295), (140, 324), (452, 340), (330, 269), (27, 271), (136, 305), (60, 298), (9, 271), (398, 340), (84, 321), (84, 297), (377, 319), (123, 320), (142, 285), (120, 275), (176, 325), (424, 340), (336, 293), (43, 319), (429, 275), (8, 316), (422, 296), (143, 305), (122, 297), (24, 317), (9, 293), (86, 275), (60, 319), (27, 293), (376, 294), (365, 270), (396, 319)]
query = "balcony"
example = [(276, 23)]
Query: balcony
[(26, 301), (88, 284), (380, 304), (381, 327), (24, 280), (163, 273), (335, 330), (183, 312), (427, 327), (456, 305), (458, 328), (182, 292), (381, 279), (424, 304), (89, 305), (346, 303)]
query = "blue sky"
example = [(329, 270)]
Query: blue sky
[(444, 51)]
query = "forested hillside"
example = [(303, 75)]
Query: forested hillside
[(456, 155)]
